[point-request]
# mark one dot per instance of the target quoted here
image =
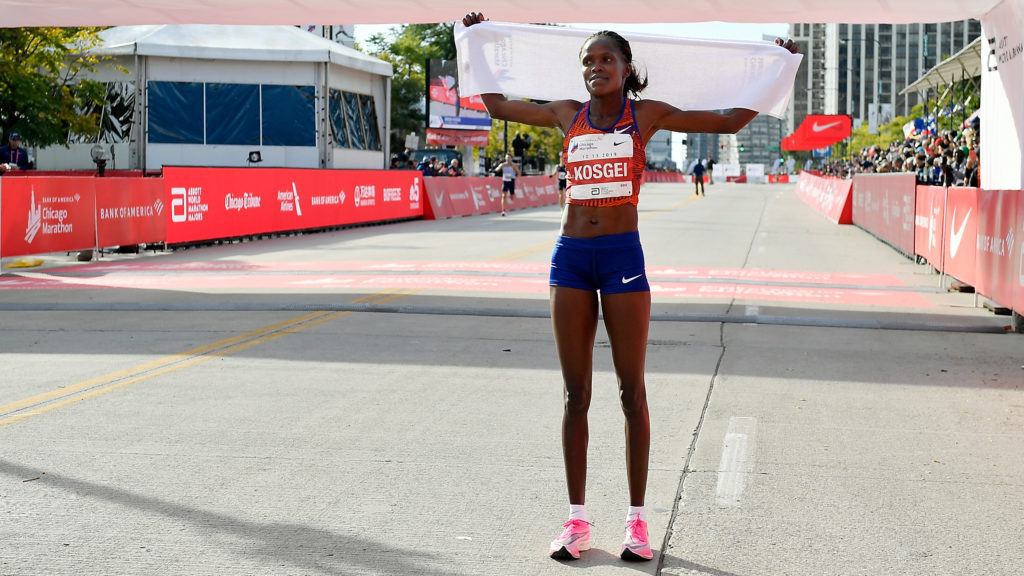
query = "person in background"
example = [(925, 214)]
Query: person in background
[(972, 172), (426, 166), (698, 178), (560, 173), (509, 172), (13, 156), (454, 169), (711, 170)]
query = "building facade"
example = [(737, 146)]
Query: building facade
[(860, 69)]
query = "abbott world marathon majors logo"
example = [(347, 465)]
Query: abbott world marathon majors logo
[(187, 204), (47, 219)]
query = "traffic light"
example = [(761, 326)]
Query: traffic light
[(742, 148)]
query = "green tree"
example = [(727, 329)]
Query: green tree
[(547, 142), (408, 48), (42, 92)]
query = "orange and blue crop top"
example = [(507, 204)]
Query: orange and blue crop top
[(604, 167)]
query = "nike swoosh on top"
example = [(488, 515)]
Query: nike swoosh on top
[(817, 128), (957, 235), (622, 130), (628, 280)]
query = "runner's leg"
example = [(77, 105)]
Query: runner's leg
[(574, 319), (626, 318)]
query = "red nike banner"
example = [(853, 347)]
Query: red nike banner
[(818, 131), (884, 204), (961, 236)]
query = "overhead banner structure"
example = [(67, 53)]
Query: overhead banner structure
[(819, 131), (1002, 95), (542, 62)]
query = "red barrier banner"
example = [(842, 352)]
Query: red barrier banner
[(210, 203), (653, 176), (42, 214), (778, 178), (447, 197), (929, 216), (130, 211), (961, 235), (885, 205), (997, 235), (829, 197), (1017, 248)]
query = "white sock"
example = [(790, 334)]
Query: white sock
[(636, 512), (578, 512)]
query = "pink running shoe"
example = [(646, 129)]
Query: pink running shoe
[(636, 545), (575, 538)]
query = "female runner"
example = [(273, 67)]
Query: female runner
[(598, 251)]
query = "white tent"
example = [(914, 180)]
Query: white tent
[(208, 95)]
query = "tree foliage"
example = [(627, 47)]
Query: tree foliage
[(547, 142), (408, 48), (42, 93)]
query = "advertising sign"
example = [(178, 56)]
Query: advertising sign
[(885, 205), (44, 214), (210, 203)]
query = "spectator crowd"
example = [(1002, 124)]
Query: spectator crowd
[(946, 158)]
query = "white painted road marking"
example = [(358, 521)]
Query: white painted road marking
[(735, 464)]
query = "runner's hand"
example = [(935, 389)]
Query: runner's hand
[(473, 18), (787, 44)]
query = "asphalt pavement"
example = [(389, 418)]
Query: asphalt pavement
[(387, 400)]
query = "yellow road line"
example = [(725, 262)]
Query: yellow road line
[(104, 384)]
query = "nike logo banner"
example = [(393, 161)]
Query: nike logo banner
[(818, 131)]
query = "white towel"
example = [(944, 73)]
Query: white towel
[(542, 62)]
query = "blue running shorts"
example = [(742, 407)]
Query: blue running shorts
[(611, 264)]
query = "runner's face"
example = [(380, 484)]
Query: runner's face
[(604, 67)]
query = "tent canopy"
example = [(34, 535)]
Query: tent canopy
[(965, 63), (252, 43), (17, 13)]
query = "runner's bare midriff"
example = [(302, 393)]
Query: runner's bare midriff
[(591, 221)]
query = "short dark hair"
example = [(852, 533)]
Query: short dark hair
[(633, 84)]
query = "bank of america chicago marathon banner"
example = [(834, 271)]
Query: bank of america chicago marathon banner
[(43, 214), (211, 203)]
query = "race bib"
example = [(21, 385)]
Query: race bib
[(599, 166)]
